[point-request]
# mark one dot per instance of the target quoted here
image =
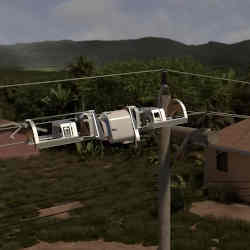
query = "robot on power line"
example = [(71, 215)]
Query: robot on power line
[(119, 126)]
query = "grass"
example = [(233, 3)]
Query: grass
[(110, 196), (232, 234), (119, 197)]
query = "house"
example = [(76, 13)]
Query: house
[(228, 158), (227, 154), (17, 150)]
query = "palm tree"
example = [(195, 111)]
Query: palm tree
[(58, 99), (82, 67)]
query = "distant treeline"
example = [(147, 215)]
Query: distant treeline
[(58, 54)]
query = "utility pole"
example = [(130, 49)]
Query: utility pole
[(165, 173)]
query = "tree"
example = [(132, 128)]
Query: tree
[(58, 99), (241, 97), (82, 67)]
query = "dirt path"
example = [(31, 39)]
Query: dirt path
[(59, 211), (219, 210), (88, 245)]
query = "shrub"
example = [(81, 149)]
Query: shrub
[(177, 199), (197, 177)]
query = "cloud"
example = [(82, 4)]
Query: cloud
[(20, 24), (238, 35), (107, 19), (75, 9), (187, 21), (190, 21)]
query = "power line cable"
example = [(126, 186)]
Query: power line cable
[(207, 76), (8, 128), (228, 115), (12, 144), (190, 113), (125, 74), (80, 78), (194, 113), (213, 113), (55, 116)]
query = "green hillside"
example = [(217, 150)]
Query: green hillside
[(57, 54)]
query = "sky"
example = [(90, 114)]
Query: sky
[(187, 21)]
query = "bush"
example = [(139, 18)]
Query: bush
[(197, 177), (223, 193), (177, 199)]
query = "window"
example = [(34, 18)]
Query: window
[(58, 132), (67, 132), (157, 116), (222, 161)]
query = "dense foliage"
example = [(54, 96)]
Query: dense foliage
[(114, 92), (125, 207)]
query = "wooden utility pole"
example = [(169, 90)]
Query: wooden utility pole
[(165, 173)]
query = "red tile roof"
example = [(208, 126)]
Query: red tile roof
[(20, 150), (236, 137)]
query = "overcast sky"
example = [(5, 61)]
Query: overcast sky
[(188, 21)]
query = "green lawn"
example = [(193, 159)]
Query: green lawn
[(119, 197)]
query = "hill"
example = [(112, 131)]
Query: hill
[(57, 54)]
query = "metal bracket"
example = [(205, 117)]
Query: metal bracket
[(12, 136), (174, 106), (136, 130)]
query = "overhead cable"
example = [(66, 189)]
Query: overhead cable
[(190, 113), (79, 78), (207, 76), (12, 144), (213, 113), (125, 74)]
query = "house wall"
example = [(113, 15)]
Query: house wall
[(238, 173)]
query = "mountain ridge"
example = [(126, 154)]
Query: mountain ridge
[(62, 52)]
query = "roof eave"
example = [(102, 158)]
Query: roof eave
[(229, 149)]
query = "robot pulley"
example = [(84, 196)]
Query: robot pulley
[(119, 126)]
